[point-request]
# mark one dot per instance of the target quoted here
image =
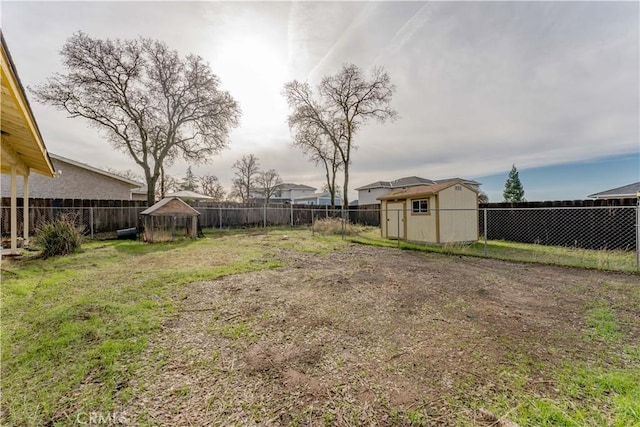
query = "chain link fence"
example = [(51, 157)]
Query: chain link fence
[(599, 228), (594, 236)]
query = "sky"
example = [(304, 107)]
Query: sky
[(552, 87)]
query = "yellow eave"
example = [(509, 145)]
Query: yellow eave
[(21, 142)]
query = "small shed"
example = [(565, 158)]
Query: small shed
[(169, 218), (438, 214)]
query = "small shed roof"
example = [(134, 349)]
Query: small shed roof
[(170, 206), (423, 190)]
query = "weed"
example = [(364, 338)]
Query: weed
[(602, 321), (335, 226), (61, 236)]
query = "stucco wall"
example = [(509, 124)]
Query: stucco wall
[(368, 197), (73, 183)]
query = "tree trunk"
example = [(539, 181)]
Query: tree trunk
[(345, 201), (151, 190)]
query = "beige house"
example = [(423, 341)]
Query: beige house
[(370, 194), (76, 180), (439, 213)]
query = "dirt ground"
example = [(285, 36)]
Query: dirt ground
[(370, 336)]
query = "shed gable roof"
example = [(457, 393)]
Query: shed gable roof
[(170, 206), (423, 190)]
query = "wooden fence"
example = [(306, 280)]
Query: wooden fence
[(101, 216)]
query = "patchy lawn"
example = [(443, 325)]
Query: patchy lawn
[(279, 328)]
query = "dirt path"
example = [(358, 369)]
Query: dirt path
[(370, 336)]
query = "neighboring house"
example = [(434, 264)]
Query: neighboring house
[(439, 213), (23, 150), (139, 193), (629, 191), (284, 193), (321, 199), (370, 193), (75, 180)]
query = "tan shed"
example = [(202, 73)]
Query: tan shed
[(169, 218), (440, 214)]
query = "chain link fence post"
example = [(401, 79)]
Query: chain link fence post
[(486, 228), (398, 217), (343, 224), (638, 232)]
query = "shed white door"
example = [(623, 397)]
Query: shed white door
[(395, 220)]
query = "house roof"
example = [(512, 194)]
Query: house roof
[(625, 192), (185, 194), (22, 144), (133, 184), (466, 181), (170, 206), (316, 196), (411, 181), (377, 184), (422, 190), (291, 186), (407, 181)]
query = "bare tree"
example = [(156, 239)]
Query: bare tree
[(344, 102), (152, 104), (210, 186), (268, 182), (247, 169), (321, 151), (128, 174), (168, 184)]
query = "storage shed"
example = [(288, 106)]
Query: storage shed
[(169, 218), (439, 214)]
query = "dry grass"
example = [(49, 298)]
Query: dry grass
[(284, 327), (335, 226), (375, 336)]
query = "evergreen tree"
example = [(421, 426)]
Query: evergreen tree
[(190, 182), (513, 191)]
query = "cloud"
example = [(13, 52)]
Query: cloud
[(480, 85)]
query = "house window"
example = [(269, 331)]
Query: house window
[(420, 206)]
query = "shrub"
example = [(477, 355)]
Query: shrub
[(59, 237), (334, 226)]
